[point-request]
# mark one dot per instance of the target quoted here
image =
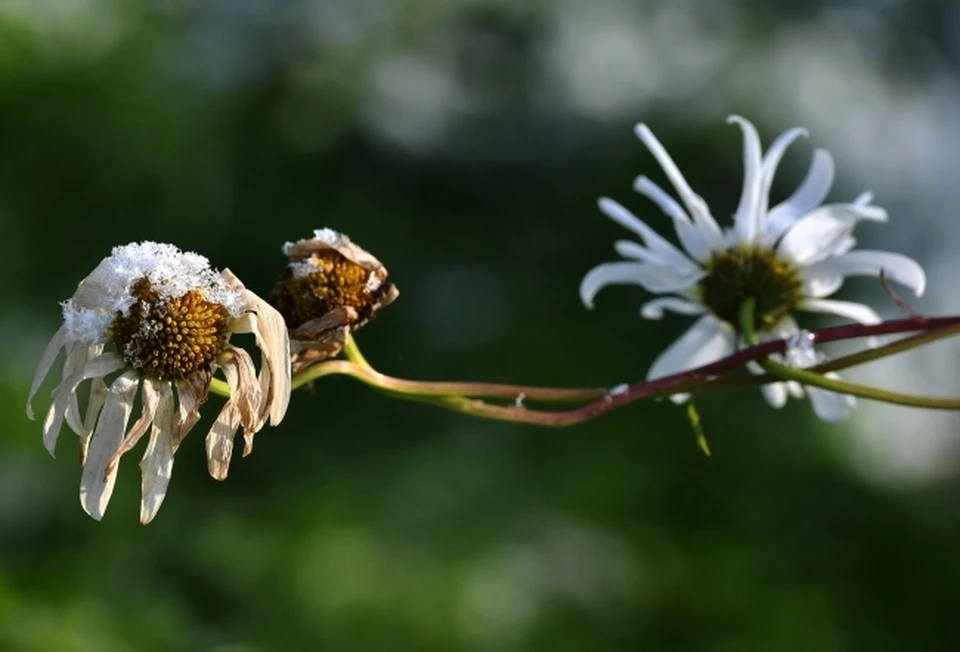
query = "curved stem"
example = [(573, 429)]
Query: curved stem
[(814, 379), (422, 388)]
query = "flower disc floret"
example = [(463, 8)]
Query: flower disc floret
[(324, 281), (751, 272), (170, 338)]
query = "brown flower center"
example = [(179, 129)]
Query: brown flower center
[(751, 272), (336, 282), (170, 338)]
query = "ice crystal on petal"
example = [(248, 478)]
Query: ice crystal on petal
[(800, 351)]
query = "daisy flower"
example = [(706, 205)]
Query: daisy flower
[(154, 321), (787, 258), (330, 288)]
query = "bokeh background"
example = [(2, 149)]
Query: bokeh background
[(464, 142)]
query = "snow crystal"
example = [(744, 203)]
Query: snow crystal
[(171, 272), (329, 236), (303, 268), (325, 235), (622, 388), (800, 351)]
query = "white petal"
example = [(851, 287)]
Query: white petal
[(654, 309), (812, 191), (855, 311), (650, 277), (706, 225), (689, 235), (156, 466), (96, 483), (633, 251), (830, 406), (668, 254), (708, 340), (769, 168), (746, 222), (896, 267), (43, 368), (819, 232), (775, 394)]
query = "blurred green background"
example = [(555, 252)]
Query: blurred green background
[(464, 143)]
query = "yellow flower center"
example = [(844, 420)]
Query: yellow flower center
[(336, 282), (170, 338), (751, 272)]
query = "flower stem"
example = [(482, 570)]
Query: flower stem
[(362, 370), (814, 379)]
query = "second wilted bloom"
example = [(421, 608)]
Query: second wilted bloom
[(155, 321), (331, 287)]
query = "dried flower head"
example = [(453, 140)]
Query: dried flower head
[(155, 321), (331, 287)]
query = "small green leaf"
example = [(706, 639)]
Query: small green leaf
[(694, 417)]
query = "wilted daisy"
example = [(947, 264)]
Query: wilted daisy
[(156, 322), (330, 288), (787, 258)]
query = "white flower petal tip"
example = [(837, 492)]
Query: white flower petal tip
[(643, 132)]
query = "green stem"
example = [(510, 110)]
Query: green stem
[(814, 379)]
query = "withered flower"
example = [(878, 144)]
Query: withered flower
[(155, 321), (330, 288)]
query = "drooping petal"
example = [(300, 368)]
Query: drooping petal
[(654, 309), (702, 219), (96, 483), (856, 311), (43, 368), (811, 193), (831, 406), (633, 251), (156, 466), (746, 222), (655, 279), (191, 394), (270, 331), (96, 368), (98, 396), (669, 256), (219, 442), (821, 281), (691, 239), (708, 340), (79, 356), (819, 232), (244, 389), (896, 267), (150, 394), (241, 408), (775, 394), (769, 169)]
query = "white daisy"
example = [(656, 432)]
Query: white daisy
[(789, 257), (155, 321)]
